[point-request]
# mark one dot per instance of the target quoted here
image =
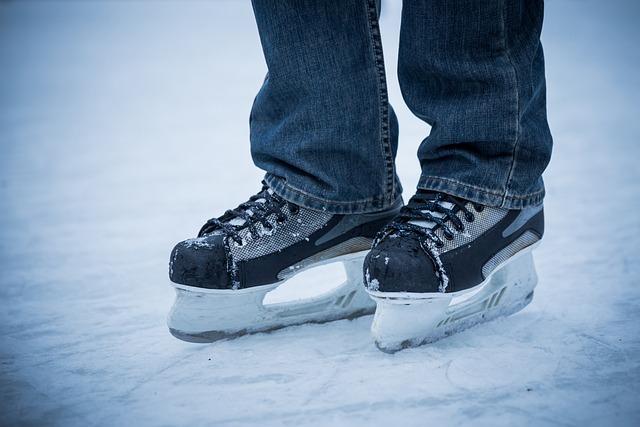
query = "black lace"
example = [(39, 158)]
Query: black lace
[(253, 212), (422, 207)]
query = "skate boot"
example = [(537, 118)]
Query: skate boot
[(445, 264), (222, 276)]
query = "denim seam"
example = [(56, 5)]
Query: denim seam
[(455, 181), (383, 106), (517, 116), (302, 198), (423, 185), (304, 194)]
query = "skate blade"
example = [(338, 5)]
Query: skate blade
[(404, 320), (207, 315)]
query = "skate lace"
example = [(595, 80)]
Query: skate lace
[(249, 214), (428, 211)]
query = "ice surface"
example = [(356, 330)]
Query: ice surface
[(123, 127), (305, 284)]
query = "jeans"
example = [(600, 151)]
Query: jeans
[(323, 129)]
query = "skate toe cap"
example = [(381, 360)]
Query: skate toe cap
[(200, 262), (400, 267)]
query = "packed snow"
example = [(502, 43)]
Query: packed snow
[(124, 126)]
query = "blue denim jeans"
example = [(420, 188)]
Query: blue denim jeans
[(323, 129)]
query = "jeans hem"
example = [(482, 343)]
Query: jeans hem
[(310, 201), (484, 196)]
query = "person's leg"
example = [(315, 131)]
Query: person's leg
[(321, 125), (459, 252), (322, 129), (474, 70)]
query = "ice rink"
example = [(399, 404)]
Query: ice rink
[(124, 126)]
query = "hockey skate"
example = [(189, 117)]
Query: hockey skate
[(445, 264), (222, 276)]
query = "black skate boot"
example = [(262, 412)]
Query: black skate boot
[(445, 264), (222, 276)]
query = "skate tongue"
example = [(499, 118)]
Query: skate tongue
[(431, 224), (239, 222)]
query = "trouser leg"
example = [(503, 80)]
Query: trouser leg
[(474, 70), (321, 125)]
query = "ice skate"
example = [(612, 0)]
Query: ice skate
[(445, 264), (222, 276)]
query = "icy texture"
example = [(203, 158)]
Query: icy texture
[(123, 126), (441, 272)]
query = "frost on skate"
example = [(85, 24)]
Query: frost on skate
[(446, 263), (199, 316), (409, 321), (222, 277)]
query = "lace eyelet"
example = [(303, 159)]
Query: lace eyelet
[(478, 208), (448, 236), (295, 210), (439, 244), (470, 217)]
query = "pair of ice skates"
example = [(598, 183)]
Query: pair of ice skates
[(438, 265)]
